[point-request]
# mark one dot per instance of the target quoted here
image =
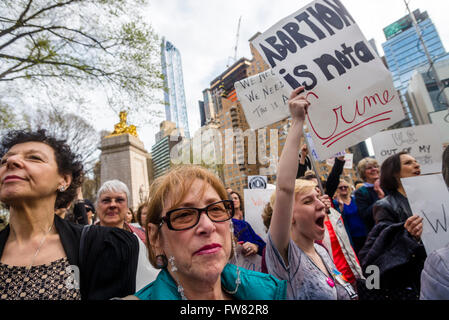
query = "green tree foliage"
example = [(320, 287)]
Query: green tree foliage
[(66, 48), (7, 118)]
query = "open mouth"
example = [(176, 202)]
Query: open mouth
[(320, 222)]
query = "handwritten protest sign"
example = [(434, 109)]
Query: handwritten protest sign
[(441, 120), (348, 161), (429, 198), (421, 142), (321, 48), (255, 201), (263, 98)]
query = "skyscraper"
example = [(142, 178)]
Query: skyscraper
[(175, 108), (404, 52)]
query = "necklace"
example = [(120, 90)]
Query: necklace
[(329, 279), (32, 261)]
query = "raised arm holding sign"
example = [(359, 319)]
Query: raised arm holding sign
[(321, 48)]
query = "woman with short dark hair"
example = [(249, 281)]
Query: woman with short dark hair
[(394, 243), (40, 253)]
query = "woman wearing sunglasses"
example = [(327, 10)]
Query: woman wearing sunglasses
[(190, 237), (344, 202)]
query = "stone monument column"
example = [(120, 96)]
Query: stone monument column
[(124, 157)]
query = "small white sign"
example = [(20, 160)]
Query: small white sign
[(255, 202), (421, 142), (429, 198), (264, 99), (348, 161)]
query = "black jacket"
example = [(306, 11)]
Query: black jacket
[(107, 263), (389, 246)]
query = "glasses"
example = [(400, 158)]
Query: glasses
[(343, 187), (372, 167), (186, 218)]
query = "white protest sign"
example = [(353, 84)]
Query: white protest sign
[(421, 142), (255, 201), (429, 198), (313, 151), (441, 120), (263, 98), (321, 48), (348, 161), (252, 262)]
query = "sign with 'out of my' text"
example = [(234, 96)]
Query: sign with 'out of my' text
[(263, 98), (421, 142), (429, 198), (351, 92)]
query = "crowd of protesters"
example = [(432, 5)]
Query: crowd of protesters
[(180, 242)]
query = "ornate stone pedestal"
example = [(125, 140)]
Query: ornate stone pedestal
[(124, 157)]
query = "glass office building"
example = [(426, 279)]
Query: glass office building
[(404, 52), (174, 97)]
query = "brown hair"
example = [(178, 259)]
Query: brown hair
[(176, 184), (139, 214)]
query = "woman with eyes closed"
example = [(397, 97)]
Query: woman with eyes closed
[(41, 255), (190, 238), (297, 222)]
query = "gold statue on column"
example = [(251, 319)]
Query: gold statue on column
[(122, 127)]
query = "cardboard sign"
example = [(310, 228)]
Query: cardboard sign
[(429, 198), (422, 142), (264, 99), (348, 161), (255, 201), (257, 182), (351, 92)]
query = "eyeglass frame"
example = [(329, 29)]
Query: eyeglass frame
[(166, 218), (343, 187)]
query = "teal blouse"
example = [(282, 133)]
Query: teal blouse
[(254, 286)]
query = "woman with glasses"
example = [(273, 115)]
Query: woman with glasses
[(345, 204), (370, 192), (190, 237)]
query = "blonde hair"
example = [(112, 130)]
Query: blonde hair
[(350, 186), (301, 187), (361, 166), (176, 184)]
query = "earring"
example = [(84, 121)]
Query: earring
[(62, 188), (161, 261), (237, 280), (174, 269)]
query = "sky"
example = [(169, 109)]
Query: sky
[(205, 32)]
